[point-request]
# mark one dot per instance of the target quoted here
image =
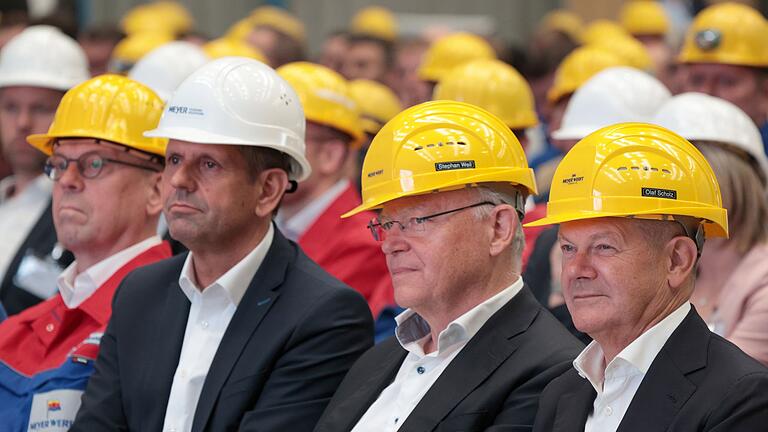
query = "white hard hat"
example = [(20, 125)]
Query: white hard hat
[(43, 56), (166, 66), (614, 95), (701, 117), (238, 101)]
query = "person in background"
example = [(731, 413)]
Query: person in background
[(732, 281), (98, 44), (334, 51), (278, 34), (36, 68), (368, 57), (106, 204), (405, 81)]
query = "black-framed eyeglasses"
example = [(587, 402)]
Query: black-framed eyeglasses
[(414, 226), (89, 165)]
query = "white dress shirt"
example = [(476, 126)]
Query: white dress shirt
[(76, 288), (420, 370), (617, 383), (19, 214), (209, 314), (294, 227)]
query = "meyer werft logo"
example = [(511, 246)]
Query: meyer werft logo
[(447, 166), (659, 193), (573, 179), (177, 109), (375, 173)]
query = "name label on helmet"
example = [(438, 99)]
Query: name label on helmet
[(659, 193), (447, 166)]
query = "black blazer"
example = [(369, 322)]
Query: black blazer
[(492, 384), (40, 243), (698, 382), (295, 333)]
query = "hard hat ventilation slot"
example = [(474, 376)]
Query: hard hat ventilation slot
[(440, 144), (645, 168)]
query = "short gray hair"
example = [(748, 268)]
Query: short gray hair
[(502, 195)]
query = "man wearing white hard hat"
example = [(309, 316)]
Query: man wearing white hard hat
[(244, 332), (36, 68), (166, 66), (732, 282)]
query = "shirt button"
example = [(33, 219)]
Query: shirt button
[(608, 411), (420, 370), (49, 328), (183, 374), (204, 324)]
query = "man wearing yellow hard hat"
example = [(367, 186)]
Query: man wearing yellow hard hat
[(36, 68), (371, 40), (635, 203), (474, 348), (308, 216), (106, 205), (725, 54), (278, 34)]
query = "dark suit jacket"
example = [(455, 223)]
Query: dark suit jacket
[(294, 335), (492, 384), (40, 242), (698, 382)]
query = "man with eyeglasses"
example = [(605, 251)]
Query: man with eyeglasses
[(36, 67), (474, 348), (106, 204)]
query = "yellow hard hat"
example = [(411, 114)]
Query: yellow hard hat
[(280, 20), (135, 46), (579, 66), (494, 86), (451, 51), (563, 21), (602, 29), (635, 170), (107, 107), (728, 33), (240, 30), (325, 96), (440, 146), (375, 21), (644, 18), (227, 47), (377, 103), (163, 17), (631, 50)]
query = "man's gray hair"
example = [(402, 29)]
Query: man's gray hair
[(505, 195)]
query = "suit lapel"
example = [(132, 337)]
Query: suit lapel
[(665, 388), (258, 299), (574, 407), (482, 355)]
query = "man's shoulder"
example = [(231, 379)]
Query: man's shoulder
[(147, 279), (730, 362)]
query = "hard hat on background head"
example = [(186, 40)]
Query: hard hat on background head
[(728, 33), (43, 56), (701, 117), (644, 18), (159, 17), (614, 95), (231, 47), (635, 170), (133, 47), (376, 102), (563, 21), (375, 21), (602, 29), (451, 51), (240, 30), (237, 101), (440, 146), (494, 86), (280, 20), (108, 107), (325, 97), (631, 50), (165, 67), (579, 66)]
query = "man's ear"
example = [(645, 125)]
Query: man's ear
[(154, 196), (505, 220), (330, 157), (274, 182), (681, 260)]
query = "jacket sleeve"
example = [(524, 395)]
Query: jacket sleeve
[(743, 408), (325, 344), (102, 404)]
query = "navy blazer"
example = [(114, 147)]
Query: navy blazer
[(294, 335), (698, 382), (493, 384)]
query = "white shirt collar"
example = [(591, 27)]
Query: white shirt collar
[(236, 280), (76, 288), (635, 358), (413, 330), (295, 226)]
